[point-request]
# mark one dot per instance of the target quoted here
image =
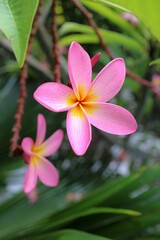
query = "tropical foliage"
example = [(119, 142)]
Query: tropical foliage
[(113, 191)]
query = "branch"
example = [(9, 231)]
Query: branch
[(89, 18), (138, 79), (94, 26), (57, 70), (14, 147)]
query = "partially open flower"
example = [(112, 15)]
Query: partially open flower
[(35, 153)]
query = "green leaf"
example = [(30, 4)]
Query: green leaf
[(62, 217), (157, 61), (70, 234), (45, 218), (146, 11), (87, 36), (115, 18), (16, 19)]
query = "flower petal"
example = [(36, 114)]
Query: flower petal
[(112, 119), (80, 69), (52, 144), (46, 172), (41, 129), (27, 144), (79, 130), (54, 96), (109, 80), (30, 179)]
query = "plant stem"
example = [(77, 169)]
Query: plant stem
[(56, 70)]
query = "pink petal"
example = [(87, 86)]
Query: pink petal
[(112, 119), (54, 96), (41, 129), (79, 130), (109, 80), (30, 179), (47, 173), (27, 144), (95, 59), (80, 69), (52, 144)]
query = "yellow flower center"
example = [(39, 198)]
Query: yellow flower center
[(38, 150), (82, 100)]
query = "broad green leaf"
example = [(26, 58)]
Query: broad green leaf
[(157, 61), (16, 19), (88, 36), (146, 10)]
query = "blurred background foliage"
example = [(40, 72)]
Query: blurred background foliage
[(113, 192)]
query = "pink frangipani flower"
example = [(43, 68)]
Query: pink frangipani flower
[(34, 154), (86, 100)]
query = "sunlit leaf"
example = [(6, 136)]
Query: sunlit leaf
[(146, 11), (115, 18)]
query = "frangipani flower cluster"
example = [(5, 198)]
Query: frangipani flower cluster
[(35, 153), (86, 100)]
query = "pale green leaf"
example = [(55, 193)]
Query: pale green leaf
[(16, 19)]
